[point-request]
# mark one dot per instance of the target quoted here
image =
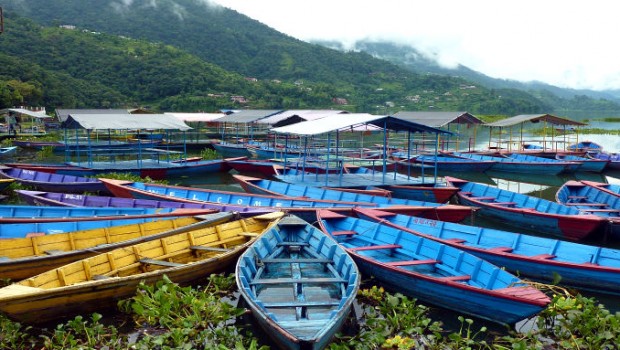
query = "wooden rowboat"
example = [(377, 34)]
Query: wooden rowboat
[(592, 200), (582, 266), (303, 207), (586, 164), (82, 200), (299, 283), (523, 211), (510, 165), (275, 188), (434, 272), (33, 213), (25, 257), (46, 181), (99, 281)]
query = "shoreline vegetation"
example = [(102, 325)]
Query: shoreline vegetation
[(168, 316)]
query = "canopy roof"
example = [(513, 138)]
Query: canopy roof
[(63, 114), (345, 122), (534, 118), (124, 122), (296, 116), (438, 119), (248, 115), (33, 114), (197, 117)]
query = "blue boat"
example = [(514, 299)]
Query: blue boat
[(35, 213), (581, 266), (80, 200), (448, 163), (592, 200), (298, 283), (275, 188), (586, 164), (514, 166), (232, 149), (303, 207), (613, 159), (434, 272), (523, 211), (45, 181), (569, 166), (586, 146)]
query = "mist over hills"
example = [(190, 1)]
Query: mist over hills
[(189, 55)]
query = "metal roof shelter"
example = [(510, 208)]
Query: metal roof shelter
[(439, 119), (197, 117), (248, 115), (295, 116), (63, 114), (350, 122), (520, 120), (38, 115), (124, 122), (451, 121), (534, 118)]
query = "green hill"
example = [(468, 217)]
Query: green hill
[(186, 55)]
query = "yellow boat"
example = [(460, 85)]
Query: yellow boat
[(99, 281), (25, 257)]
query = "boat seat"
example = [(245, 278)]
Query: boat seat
[(302, 304), (343, 233), (455, 240), (500, 249), (300, 260), (159, 262), (99, 277), (543, 256), (293, 244), (316, 280), (412, 262), (249, 234), (209, 249), (376, 247), (603, 210), (588, 204), (577, 197), (54, 252), (456, 278)]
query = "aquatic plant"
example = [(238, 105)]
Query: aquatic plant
[(209, 154), (129, 177)]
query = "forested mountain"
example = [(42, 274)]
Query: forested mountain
[(187, 55), (559, 98)]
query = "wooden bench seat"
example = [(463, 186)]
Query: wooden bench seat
[(376, 247), (456, 278), (209, 249), (543, 256), (500, 249), (165, 263), (317, 280), (412, 262), (343, 233), (300, 260), (285, 304)]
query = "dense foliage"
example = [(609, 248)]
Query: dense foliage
[(187, 55)]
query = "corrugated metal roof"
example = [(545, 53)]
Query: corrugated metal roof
[(344, 122), (301, 114), (248, 115), (39, 115), (63, 114), (438, 119), (124, 122), (534, 118), (196, 117)]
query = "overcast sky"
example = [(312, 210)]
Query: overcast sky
[(564, 43)]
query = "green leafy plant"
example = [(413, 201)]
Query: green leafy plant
[(208, 154)]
